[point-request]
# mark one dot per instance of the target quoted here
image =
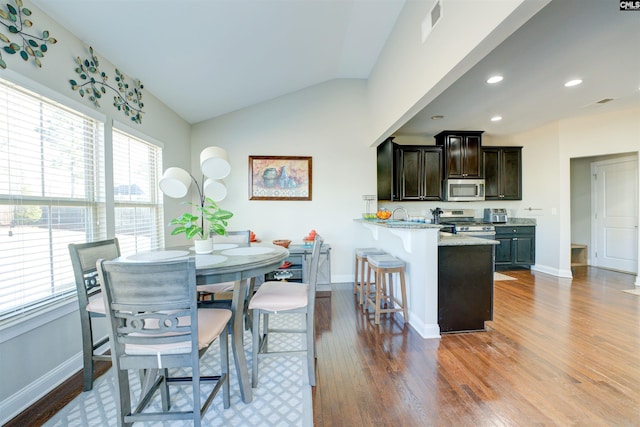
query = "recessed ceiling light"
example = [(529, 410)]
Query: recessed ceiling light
[(496, 118), (575, 82), (437, 117), (494, 79)]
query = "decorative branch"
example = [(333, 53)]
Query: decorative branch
[(32, 46), (127, 100)]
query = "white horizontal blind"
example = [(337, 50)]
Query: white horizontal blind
[(138, 204), (51, 194)]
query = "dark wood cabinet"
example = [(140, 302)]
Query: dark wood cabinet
[(387, 170), (420, 172), (462, 155), (517, 246), (409, 172), (502, 173), (465, 287)]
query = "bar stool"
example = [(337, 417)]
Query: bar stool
[(384, 266), (361, 260)]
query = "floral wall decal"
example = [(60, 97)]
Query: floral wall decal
[(94, 84), (15, 20)]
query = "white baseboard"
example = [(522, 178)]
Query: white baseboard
[(28, 395), (552, 271)]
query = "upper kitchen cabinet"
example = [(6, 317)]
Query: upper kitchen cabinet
[(409, 172), (387, 170), (462, 153), (502, 173), (420, 172)]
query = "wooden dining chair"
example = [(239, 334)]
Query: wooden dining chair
[(90, 301), (155, 326), (286, 297)]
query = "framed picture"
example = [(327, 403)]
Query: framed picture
[(279, 178)]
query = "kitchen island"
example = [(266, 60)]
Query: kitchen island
[(418, 245)]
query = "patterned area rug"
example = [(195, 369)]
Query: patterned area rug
[(632, 291), (499, 276), (282, 398)]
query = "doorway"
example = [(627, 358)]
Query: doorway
[(604, 210)]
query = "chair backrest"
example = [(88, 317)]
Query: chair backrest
[(239, 236), (83, 261), (313, 268), (152, 312)]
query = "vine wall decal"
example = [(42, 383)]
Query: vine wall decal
[(15, 20), (94, 84)]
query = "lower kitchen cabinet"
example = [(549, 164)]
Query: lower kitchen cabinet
[(517, 246), (300, 257), (465, 287)]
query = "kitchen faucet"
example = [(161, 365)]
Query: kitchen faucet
[(406, 214)]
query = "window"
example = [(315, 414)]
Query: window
[(51, 194), (138, 209)]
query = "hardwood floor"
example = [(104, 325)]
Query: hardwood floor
[(559, 352)]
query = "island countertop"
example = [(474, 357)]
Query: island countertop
[(445, 239)]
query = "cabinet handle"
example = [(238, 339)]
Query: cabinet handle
[(515, 238)]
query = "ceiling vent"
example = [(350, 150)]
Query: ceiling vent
[(431, 20)]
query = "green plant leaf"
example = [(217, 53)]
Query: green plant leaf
[(3, 64), (38, 63), (4, 38), (8, 49), (43, 47), (24, 55), (45, 34), (11, 9), (33, 43), (19, 3), (26, 11), (13, 29)]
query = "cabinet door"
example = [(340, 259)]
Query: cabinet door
[(491, 165), (524, 250), (511, 173), (503, 251), (454, 147), (411, 165), (471, 161), (432, 173), (386, 170)]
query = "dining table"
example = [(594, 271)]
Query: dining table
[(228, 262)]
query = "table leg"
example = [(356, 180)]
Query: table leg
[(237, 340)]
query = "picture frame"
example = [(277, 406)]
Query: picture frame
[(280, 178)]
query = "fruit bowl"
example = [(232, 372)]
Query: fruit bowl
[(369, 216), (282, 242)]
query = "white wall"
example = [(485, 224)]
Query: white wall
[(327, 122), (547, 155), (43, 351)]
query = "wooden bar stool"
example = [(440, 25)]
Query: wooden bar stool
[(361, 260), (384, 266)]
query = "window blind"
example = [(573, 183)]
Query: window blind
[(51, 194), (139, 220)]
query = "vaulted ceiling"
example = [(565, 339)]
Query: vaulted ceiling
[(207, 58)]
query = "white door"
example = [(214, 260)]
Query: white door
[(615, 214)]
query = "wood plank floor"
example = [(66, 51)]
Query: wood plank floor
[(559, 352)]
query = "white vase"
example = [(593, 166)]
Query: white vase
[(203, 246)]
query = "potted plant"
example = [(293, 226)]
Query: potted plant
[(212, 219)]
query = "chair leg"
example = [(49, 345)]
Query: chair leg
[(355, 277), (403, 290), (380, 285), (255, 345), (311, 360), (122, 391), (224, 367), (87, 354)]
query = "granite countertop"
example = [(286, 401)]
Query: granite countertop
[(449, 239), (398, 223)]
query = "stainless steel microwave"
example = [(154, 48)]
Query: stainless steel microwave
[(464, 190)]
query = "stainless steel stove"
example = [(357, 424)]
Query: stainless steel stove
[(465, 223)]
